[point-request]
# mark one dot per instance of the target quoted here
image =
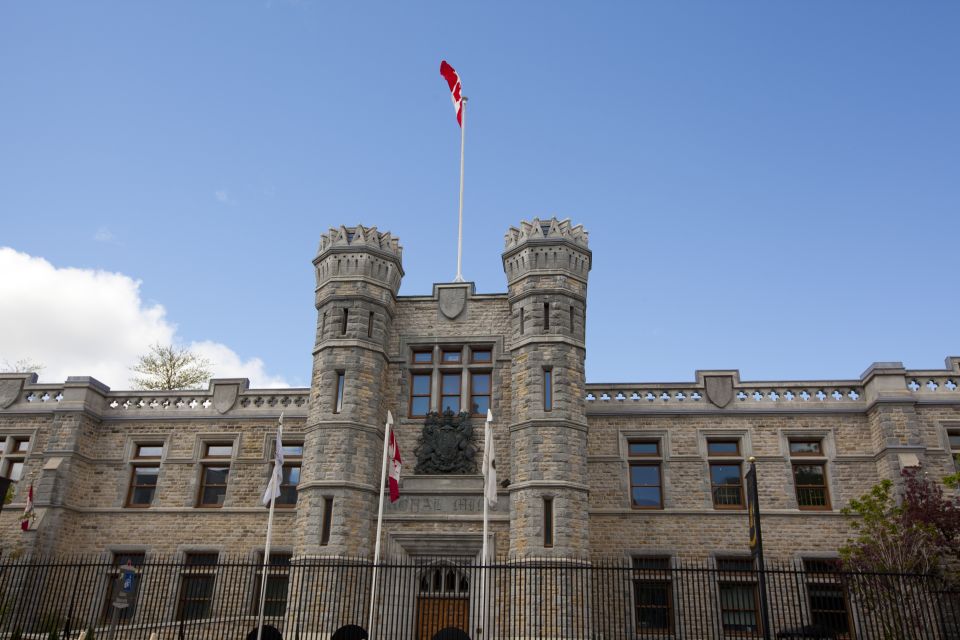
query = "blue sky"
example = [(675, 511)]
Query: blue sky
[(768, 186)]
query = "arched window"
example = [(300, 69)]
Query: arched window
[(445, 582)]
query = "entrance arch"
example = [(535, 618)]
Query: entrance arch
[(443, 604)]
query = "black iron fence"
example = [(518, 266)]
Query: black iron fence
[(213, 596)]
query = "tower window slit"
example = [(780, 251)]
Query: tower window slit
[(370, 326), (327, 520), (343, 326), (547, 521), (546, 316), (338, 400)]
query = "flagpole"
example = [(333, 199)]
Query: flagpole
[(486, 523), (463, 138), (376, 546), (263, 578), (266, 550)]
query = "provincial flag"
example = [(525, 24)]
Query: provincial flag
[(453, 80), (489, 463), (276, 478), (393, 462), (28, 514)]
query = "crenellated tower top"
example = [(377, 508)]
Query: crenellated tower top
[(362, 253), (551, 229), (546, 247), (352, 238)]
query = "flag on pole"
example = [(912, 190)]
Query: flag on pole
[(28, 514), (453, 79), (489, 463), (394, 461), (276, 478)]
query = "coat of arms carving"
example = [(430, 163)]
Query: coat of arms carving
[(452, 301), (446, 445)]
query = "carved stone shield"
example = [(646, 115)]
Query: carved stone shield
[(9, 392), (452, 301), (224, 397), (719, 390)]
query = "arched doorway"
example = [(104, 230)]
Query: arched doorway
[(443, 601)]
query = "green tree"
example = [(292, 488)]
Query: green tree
[(167, 367), (899, 545)]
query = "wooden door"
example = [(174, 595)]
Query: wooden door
[(434, 614)]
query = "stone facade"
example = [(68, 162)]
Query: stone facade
[(564, 444)]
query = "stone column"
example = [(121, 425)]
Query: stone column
[(547, 264), (358, 271)]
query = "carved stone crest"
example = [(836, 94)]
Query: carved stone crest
[(452, 301), (446, 444), (9, 392), (224, 397), (719, 390)]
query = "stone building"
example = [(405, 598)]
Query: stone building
[(628, 469)]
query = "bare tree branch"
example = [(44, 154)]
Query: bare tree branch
[(167, 367)]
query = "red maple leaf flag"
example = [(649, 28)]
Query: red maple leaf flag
[(393, 473), (453, 79)]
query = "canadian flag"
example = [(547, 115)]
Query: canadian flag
[(393, 471), (453, 79)]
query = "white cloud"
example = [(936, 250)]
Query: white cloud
[(82, 322), (104, 235), (229, 365), (222, 196)]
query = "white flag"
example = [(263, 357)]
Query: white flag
[(276, 478), (489, 463)]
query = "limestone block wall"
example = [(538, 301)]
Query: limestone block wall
[(80, 463)]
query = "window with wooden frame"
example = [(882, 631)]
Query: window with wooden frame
[(479, 392), (799, 448), (726, 477), (13, 456), (214, 473), (422, 356), (292, 460), (420, 383), (450, 392), (810, 480), (144, 475), (197, 580), (646, 482), (451, 356), (955, 448), (827, 597), (653, 594), (481, 356), (739, 598), (809, 473), (136, 559), (278, 584)]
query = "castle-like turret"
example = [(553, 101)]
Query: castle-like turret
[(358, 272), (547, 263)]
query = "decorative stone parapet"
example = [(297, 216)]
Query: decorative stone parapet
[(223, 398), (723, 391)]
